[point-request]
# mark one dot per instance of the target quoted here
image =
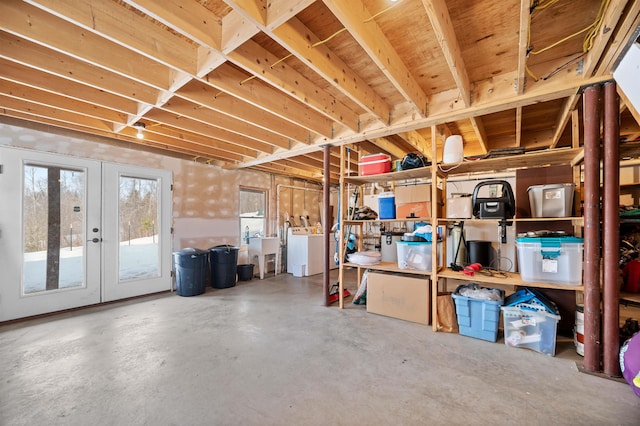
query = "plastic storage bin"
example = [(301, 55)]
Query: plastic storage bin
[(530, 321), (374, 164), (191, 271), (414, 255), (223, 261), (386, 205), (478, 318), (550, 259), (554, 200)]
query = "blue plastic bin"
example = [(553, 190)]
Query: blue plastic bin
[(478, 318)]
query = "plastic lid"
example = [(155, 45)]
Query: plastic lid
[(550, 240)]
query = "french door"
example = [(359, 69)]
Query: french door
[(76, 232)]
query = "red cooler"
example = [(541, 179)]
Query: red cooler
[(374, 164)]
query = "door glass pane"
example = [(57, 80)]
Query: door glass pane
[(139, 251), (53, 228)]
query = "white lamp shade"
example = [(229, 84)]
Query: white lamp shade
[(453, 151)]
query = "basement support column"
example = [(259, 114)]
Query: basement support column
[(326, 220), (611, 231), (591, 119)]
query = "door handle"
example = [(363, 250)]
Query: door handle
[(95, 240)]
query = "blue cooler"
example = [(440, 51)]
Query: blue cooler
[(386, 205)]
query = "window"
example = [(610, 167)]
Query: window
[(253, 216)]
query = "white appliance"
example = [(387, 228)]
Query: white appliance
[(305, 252)]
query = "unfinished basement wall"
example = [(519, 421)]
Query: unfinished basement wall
[(205, 197)]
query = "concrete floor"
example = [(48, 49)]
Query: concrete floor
[(268, 353)]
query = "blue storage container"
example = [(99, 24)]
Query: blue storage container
[(386, 205), (530, 321), (476, 317)]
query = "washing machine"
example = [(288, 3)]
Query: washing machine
[(305, 252)]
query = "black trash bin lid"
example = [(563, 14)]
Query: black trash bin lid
[(224, 247), (189, 250)]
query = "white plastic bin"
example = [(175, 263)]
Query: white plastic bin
[(554, 200), (414, 255), (550, 259)]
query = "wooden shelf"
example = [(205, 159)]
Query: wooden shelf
[(555, 157), (419, 173), (363, 222), (511, 280), (576, 221), (389, 267)]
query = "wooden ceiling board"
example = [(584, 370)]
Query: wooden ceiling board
[(487, 32), (408, 29)]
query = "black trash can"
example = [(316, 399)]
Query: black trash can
[(245, 272), (191, 271), (223, 261)]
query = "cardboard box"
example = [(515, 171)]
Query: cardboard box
[(420, 209), (413, 193), (399, 296)]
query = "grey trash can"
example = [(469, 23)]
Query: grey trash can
[(190, 265), (223, 262)]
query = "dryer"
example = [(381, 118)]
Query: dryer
[(305, 251)]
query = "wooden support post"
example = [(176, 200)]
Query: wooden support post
[(591, 119), (611, 231)]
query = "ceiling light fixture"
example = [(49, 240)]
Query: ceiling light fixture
[(140, 126)]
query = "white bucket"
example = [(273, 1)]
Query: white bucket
[(578, 332)]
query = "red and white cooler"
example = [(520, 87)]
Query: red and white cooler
[(374, 164)]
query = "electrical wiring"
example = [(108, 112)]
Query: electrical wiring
[(592, 31)]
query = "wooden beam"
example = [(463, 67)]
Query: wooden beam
[(236, 29), (481, 134), (194, 111), (190, 19), (190, 125), (280, 11), (355, 17), (569, 105), (634, 112), (575, 129), (519, 124), (389, 147), (621, 38), (54, 100), (492, 96), (26, 21), (523, 47), (51, 83), (129, 30), (255, 59), (443, 28), (609, 21), (239, 84), (300, 41), (416, 140), (209, 97), (256, 10), (58, 64), (58, 114)]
